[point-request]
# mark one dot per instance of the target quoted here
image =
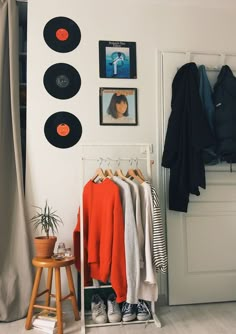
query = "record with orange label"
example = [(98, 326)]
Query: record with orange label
[(63, 129), (62, 81), (62, 34)]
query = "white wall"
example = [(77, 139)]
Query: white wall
[(54, 173)]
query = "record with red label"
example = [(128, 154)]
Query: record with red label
[(62, 81), (63, 129), (62, 34)]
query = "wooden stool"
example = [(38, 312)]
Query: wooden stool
[(51, 264)]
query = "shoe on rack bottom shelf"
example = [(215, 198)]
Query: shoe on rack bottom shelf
[(109, 312), (101, 310)]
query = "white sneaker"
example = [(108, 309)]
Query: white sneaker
[(113, 309), (98, 309)]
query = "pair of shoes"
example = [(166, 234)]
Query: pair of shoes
[(98, 308), (132, 311)]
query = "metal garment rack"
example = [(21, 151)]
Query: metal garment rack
[(84, 158)]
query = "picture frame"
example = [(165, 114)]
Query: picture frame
[(118, 106), (117, 60)]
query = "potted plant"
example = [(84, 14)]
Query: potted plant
[(47, 221)]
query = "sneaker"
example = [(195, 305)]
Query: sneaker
[(113, 309), (128, 312), (143, 312), (98, 309)]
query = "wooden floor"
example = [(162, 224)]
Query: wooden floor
[(217, 318)]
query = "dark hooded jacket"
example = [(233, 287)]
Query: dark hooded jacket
[(188, 133), (225, 114)]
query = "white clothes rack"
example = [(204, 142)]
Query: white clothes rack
[(146, 148)]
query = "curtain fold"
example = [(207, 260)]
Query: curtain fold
[(16, 273)]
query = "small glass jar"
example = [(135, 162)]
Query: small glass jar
[(61, 248), (68, 252)]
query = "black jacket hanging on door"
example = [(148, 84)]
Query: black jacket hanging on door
[(225, 114), (187, 134)]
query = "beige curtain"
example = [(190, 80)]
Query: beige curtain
[(15, 255)]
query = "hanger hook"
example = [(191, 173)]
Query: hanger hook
[(108, 161), (100, 160), (118, 162)]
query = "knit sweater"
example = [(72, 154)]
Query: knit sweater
[(131, 242), (104, 249), (134, 187)]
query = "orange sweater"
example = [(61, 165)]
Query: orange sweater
[(104, 250)]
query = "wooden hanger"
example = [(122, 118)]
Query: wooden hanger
[(131, 173), (138, 170), (98, 174), (119, 173), (139, 173), (108, 173)]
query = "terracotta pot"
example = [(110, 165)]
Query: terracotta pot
[(44, 246)]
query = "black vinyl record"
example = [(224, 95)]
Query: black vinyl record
[(62, 34), (62, 81), (63, 129)]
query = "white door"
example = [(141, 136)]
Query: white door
[(202, 242)]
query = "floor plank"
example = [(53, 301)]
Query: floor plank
[(218, 318)]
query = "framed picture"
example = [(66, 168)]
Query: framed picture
[(118, 106), (117, 60)]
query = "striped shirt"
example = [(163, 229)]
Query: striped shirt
[(159, 243)]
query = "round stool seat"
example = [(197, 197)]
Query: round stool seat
[(53, 263)]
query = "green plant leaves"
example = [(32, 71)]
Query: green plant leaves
[(47, 219)]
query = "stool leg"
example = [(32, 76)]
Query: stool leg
[(49, 287), (28, 322), (58, 301), (72, 291)]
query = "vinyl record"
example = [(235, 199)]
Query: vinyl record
[(63, 129), (62, 81), (62, 34)]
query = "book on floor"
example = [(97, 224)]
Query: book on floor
[(48, 315), (46, 329), (44, 323)]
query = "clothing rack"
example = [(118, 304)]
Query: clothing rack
[(145, 149)]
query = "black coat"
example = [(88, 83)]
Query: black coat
[(225, 115), (188, 133)]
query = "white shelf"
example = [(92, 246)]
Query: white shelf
[(97, 287), (90, 324)]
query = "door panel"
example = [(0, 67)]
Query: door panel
[(202, 242)]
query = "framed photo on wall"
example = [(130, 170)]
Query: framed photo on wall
[(118, 106), (117, 60)]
